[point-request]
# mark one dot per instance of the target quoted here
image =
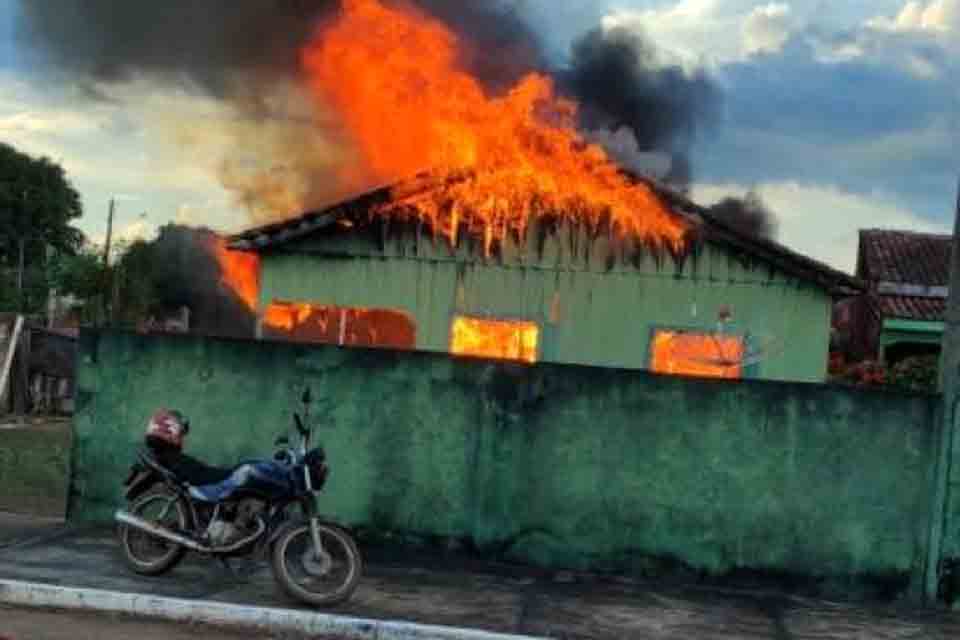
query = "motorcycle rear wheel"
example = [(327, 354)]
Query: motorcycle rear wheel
[(146, 554), (315, 581)]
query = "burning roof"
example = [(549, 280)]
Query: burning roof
[(385, 207)]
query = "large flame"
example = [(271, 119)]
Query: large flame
[(394, 75), (240, 272)]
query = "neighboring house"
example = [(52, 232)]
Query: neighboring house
[(902, 313), (731, 305)]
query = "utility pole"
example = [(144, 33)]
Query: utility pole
[(22, 245), (105, 300), (941, 518), (106, 250), (21, 266)]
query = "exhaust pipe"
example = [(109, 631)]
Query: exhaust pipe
[(131, 520), (124, 517)]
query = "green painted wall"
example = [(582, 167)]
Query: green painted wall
[(591, 311), (565, 466)]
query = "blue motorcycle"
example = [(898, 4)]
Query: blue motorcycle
[(259, 508)]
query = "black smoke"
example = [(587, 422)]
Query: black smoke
[(201, 42), (180, 269), (214, 45), (749, 215), (620, 81), (240, 51), (500, 46)]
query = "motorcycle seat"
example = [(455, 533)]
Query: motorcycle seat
[(185, 469)]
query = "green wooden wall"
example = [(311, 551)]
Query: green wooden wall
[(594, 306)]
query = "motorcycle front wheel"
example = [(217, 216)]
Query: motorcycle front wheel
[(144, 553), (323, 579)]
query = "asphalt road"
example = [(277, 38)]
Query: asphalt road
[(33, 624)]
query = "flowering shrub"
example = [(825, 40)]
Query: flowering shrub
[(915, 373)]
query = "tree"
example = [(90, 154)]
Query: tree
[(37, 205)]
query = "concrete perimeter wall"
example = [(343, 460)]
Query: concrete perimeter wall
[(563, 466)]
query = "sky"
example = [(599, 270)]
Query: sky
[(841, 114)]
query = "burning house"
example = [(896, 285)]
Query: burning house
[(693, 296), (518, 238)]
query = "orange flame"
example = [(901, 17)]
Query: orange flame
[(692, 354), (340, 325), (394, 76), (240, 272), (501, 339)]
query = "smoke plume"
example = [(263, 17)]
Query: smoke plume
[(283, 150), (180, 269), (748, 215), (620, 82)]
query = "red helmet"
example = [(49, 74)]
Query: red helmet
[(167, 428)]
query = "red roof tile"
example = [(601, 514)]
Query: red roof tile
[(907, 258), (904, 256), (907, 308)]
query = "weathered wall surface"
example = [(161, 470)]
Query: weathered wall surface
[(561, 465), (591, 312), (34, 468)]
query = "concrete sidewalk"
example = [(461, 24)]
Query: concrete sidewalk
[(462, 593), (16, 529)]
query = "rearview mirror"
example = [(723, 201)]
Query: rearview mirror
[(307, 396), (282, 441)]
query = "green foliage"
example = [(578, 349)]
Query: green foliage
[(81, 274), (37, 203), (916, 373)]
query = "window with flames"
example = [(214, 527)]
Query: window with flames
[(344, 326), (699, 354), (516, 340)]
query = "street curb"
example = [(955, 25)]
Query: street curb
[(27, 594)]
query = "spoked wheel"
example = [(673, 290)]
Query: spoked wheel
[(320, 579), (144, 553)]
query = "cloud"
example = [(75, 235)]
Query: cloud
[(922, 39), (124, 147), (860, 125), (823, 221), (767, 28), (940, 16), (141, 229), (710, 32)]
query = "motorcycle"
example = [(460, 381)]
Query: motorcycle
[(250, 511)]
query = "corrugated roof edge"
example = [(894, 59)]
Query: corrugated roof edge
[(836, 282)]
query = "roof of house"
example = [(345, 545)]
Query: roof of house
[(911, 307), (908, 272), (709, 228), (907, 257)]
